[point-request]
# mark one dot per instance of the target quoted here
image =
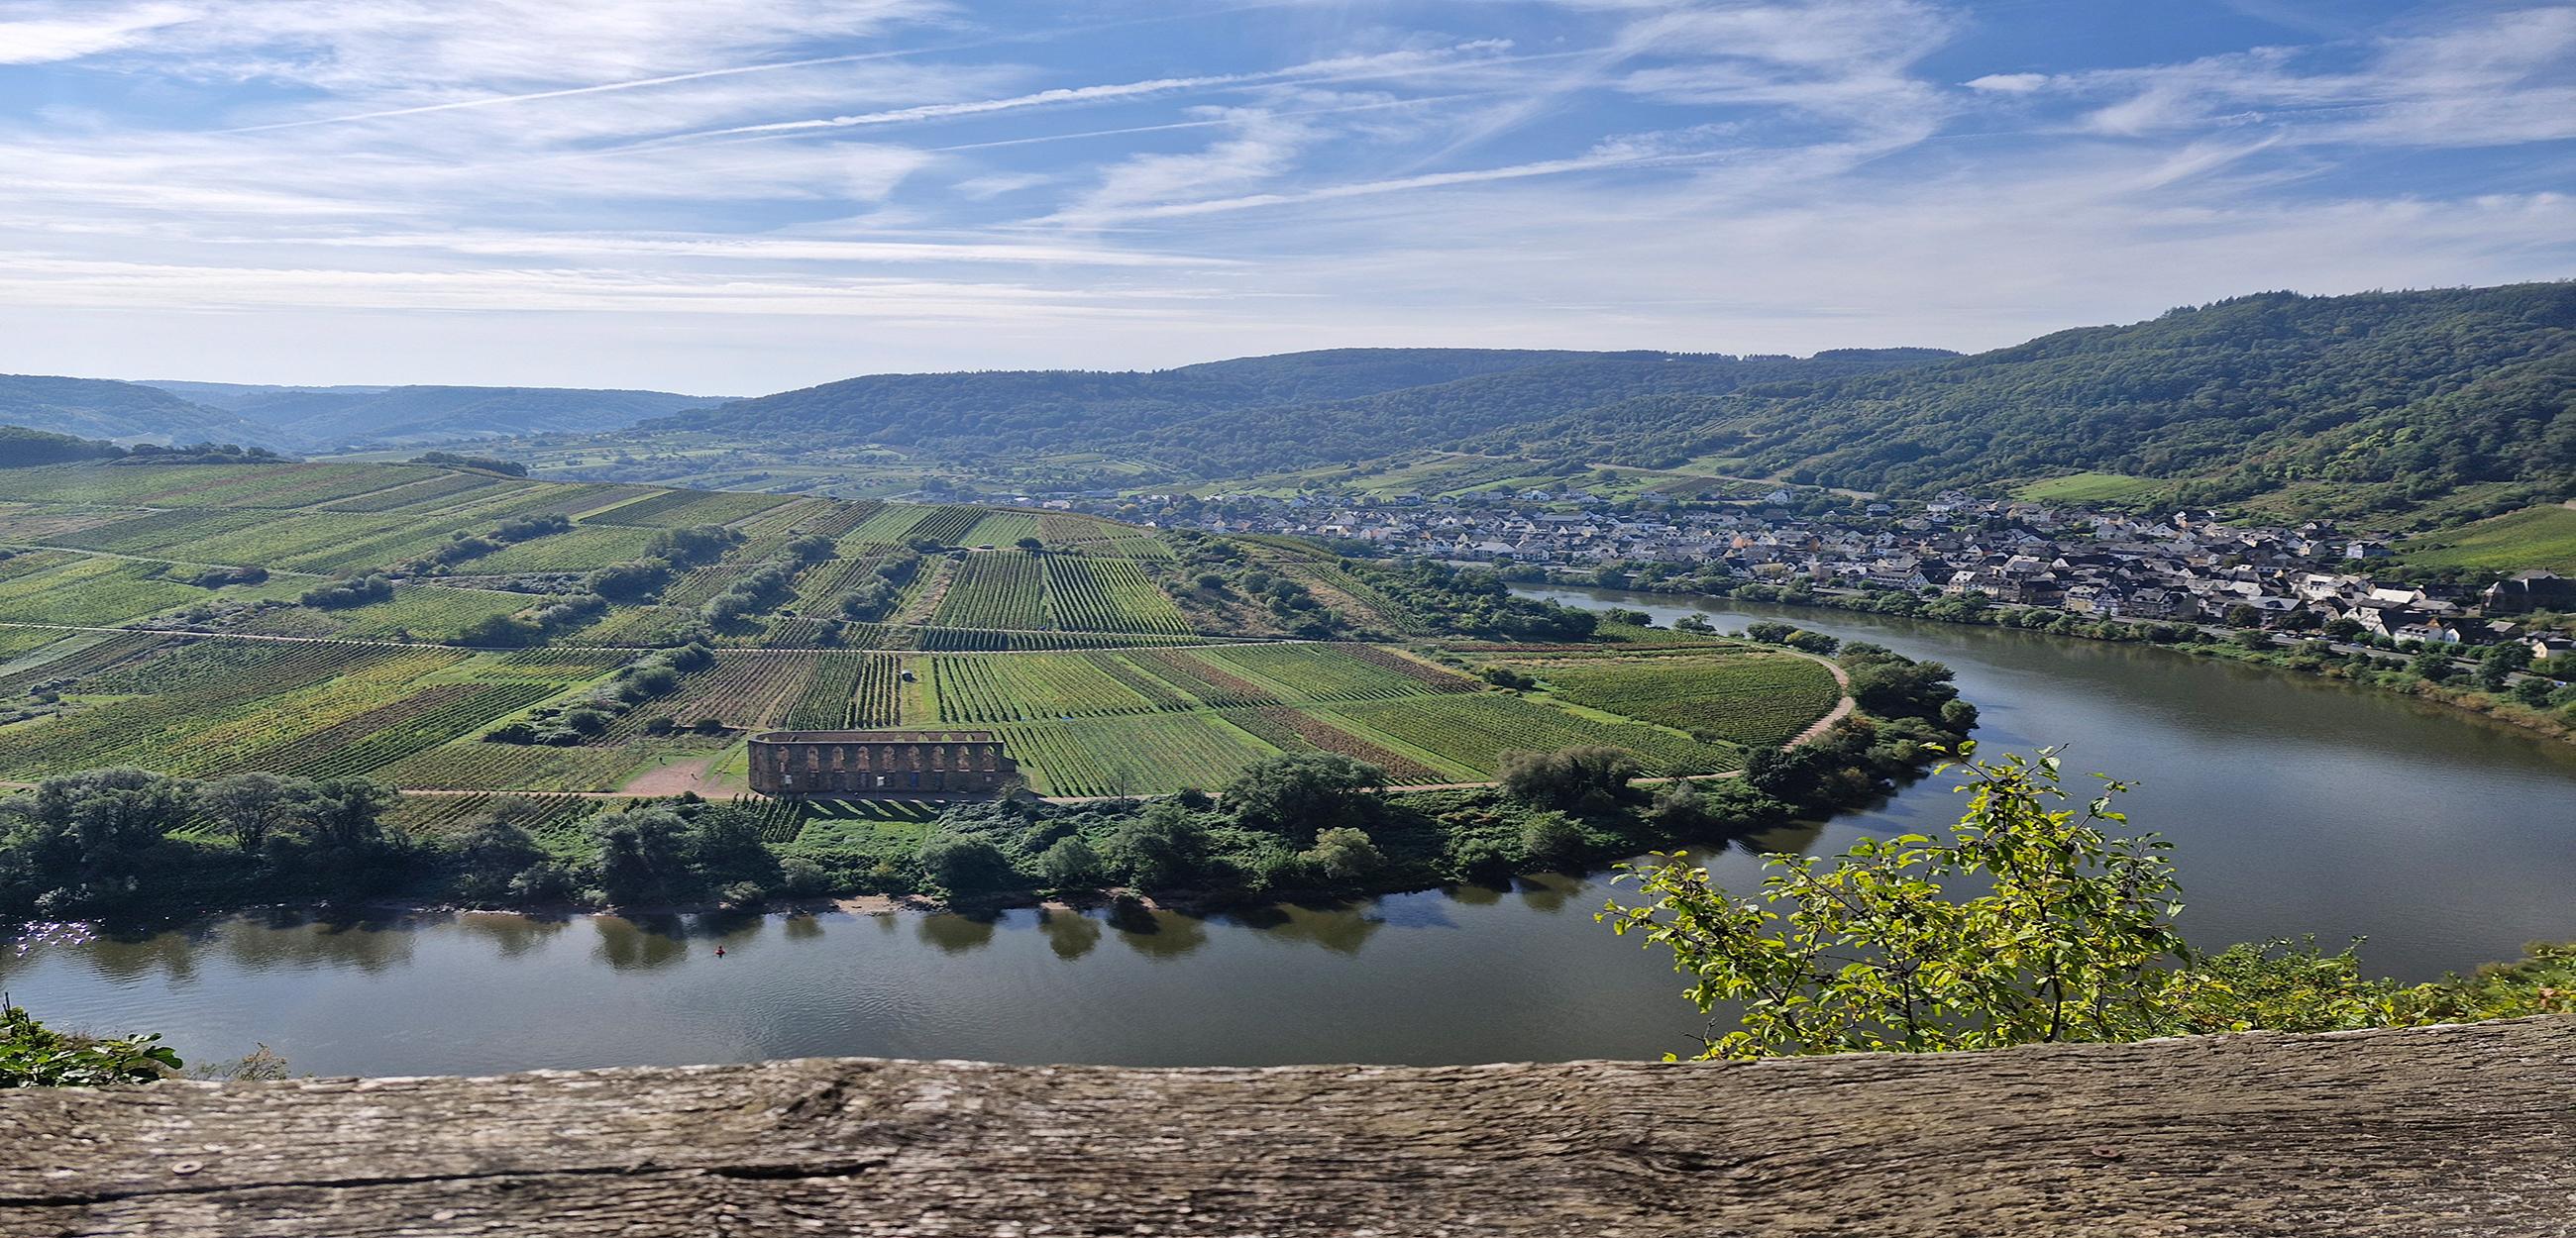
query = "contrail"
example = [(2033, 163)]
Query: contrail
[(769, 67), (1353, 69)]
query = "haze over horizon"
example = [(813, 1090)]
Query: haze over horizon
[(769, 194)]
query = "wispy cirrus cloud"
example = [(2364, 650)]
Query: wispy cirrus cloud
[(768, 192), (41, 33)]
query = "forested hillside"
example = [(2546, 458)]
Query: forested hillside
[(1250, 415), (2447, 401), (2375, 402), (101, 408), (313, 417)]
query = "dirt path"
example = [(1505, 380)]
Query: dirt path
[(1842, 709), (673, 779)]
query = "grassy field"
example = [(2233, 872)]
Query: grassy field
[(2106, 488), (2541, 538), (1076, 652)]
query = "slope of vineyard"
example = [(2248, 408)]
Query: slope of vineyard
[(445, 629)]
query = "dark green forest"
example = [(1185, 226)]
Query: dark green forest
[(2377, 402)]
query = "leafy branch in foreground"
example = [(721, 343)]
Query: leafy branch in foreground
[(2071, 938), (35, 1056)]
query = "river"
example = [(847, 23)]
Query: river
[(2297, 806)]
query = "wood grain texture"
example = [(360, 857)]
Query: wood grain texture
[(2430, 1131)]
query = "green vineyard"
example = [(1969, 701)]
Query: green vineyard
[(259, 641)]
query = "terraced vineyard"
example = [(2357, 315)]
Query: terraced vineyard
[(1750, 698), (999, 589), (1076, 652), (1109, 595)]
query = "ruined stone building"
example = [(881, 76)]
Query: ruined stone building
[(893, 764)]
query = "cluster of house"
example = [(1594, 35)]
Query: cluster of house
[(2186, 566)]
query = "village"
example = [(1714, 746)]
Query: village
[(2182, 567)]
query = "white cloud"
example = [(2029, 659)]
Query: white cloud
[(2009, 83), (42, 33)]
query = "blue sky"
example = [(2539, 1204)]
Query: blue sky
[(751, 195)]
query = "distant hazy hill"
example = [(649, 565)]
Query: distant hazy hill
[(21, 447), (100, 408), (1252, 414), (334, 416)]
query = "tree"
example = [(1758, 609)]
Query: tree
[(641, 857), (1344, 854), (1300, 795), (1158, 848), (1071, 864), (1586, 777), (78, 841), (2070, 938), (491, 858), (251, 806), (966, 864)]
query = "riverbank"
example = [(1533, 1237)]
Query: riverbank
[(2387, 671)]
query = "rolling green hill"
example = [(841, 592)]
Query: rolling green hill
[(102, 408), (313, 417), (1257, 414), (2435, 405)]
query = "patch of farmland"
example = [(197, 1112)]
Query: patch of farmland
[(213, 701), (472, 765), (153, 533), (92, 592), (416, 612), (996, 589), (414, 723), (1000, 528), (1326, 672), (1473, 732), (585, 547), (1291, 731), (673, 509), (439, 490), (1029, 687), (75, 655), (551, 818), (1109, 595), (744, 689), (947, 526), (850, 691), (1152, 754), (32, 522), (130, 485), (17, 643), (843, 516), (965, 640), (1754, 699), (692, 588), (1205, 680), (889, 525), (630, 625)]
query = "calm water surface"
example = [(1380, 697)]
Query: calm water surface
[(2298, 806)]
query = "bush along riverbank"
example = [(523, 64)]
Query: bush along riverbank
[(2498, 681), (127, 843)]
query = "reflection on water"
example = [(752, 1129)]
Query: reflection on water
[(2297, 806), (956, 934), (1070, 935)]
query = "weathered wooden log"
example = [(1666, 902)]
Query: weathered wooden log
[(2455, 1130)]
